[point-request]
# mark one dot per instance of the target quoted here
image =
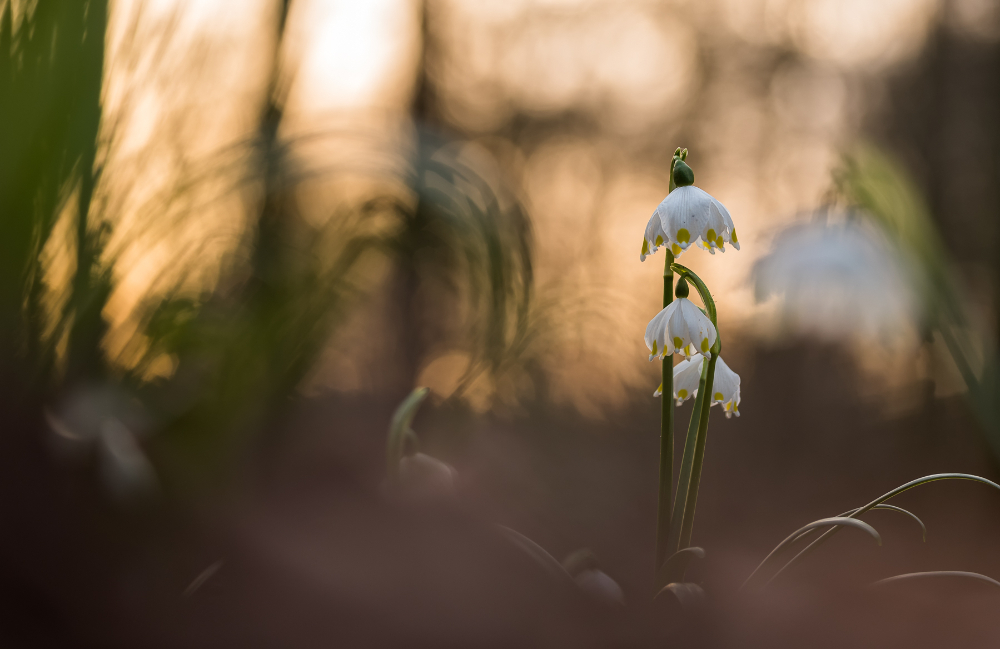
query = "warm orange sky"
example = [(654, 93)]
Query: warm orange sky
[(350, 69)]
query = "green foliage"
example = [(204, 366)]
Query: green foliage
[(51, 67), (851, 519), (883, 191), (238, 350)]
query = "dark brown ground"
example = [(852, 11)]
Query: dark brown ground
[(312, 554)]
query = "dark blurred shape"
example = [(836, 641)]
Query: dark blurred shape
[(583, 567), (423, 477), (51, 66)]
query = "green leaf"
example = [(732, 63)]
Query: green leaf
[(537, 553), (936, 574), (399, 430), (835, 522), (893, 508), (873, 504)]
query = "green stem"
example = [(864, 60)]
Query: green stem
[(694, 447), (706, 295), (961, 362), (699, 455), (664, 495), (664, 503), (687, 463)]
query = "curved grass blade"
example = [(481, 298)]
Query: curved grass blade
[(538, 553), (878, 501), (834, 522), (959, 574), (399, 431), (893, 508), (673, 569)]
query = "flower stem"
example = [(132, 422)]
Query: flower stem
[(687, 463), (665, 493), (699, 455), (694, 447)]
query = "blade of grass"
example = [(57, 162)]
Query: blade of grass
[(878, 501), (936, 574)]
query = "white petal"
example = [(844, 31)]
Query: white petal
[(684, 214), (726, 388), (716, 228), (655, 332), (687, 375), (694, 328), (653, 238), (689, 216)]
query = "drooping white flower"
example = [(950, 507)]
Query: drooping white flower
[(689, 216), (687, 374), (726, 388), (679, 328), (838, 280)]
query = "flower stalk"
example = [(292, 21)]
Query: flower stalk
[(687, 217), (664, 499), (682, 524)]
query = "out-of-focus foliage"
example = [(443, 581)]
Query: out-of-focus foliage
[(460, 254), (881, 189), (51, 65)]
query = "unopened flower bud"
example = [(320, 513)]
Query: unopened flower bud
[(683, 174), (683, 290)]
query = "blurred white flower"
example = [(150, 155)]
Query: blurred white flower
[(726, 388), (687, 375), (838, 280), (423, 477), (679, 328), (687, 216), (105, 417), (125, 469)]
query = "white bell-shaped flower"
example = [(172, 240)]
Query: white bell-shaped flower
[(687, 216), (726, 388), (687, 375), (679, 328)]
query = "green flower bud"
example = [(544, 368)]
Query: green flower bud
[(682, 288), (683, 175)]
